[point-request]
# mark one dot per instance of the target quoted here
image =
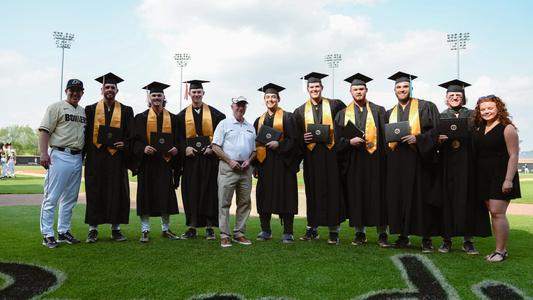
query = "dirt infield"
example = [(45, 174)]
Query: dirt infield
[(36, 199)]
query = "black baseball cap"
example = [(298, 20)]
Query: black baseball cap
[(74, 83)]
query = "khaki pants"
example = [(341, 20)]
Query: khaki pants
[(230, 181)]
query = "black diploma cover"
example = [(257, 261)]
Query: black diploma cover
[(267, 134), (394, 132), (320, 133), (108, 135)]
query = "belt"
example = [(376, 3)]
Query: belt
[(68, 150)]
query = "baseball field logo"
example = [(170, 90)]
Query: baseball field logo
[(422, 277)]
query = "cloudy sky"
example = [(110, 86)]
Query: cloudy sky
[(241, 45)]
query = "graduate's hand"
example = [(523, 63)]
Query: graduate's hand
[(308, 137), (235, 166), (119, 145), (208, 151), (149, 150), (442, 138), (245, 164), (45, 160), (190, 151), (255, 173), (357, 141), (272, 145), (507, 186), (409, 139), (173, 151)]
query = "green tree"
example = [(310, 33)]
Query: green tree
[(23, 138)]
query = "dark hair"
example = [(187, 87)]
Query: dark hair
[(321, 86), (502, 115)]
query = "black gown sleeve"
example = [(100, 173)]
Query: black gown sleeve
[(341, 143), (89, 118), (139, 141), (426, 142), (128, 135), (288, 148), (299, 120)]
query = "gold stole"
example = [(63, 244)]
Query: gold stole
[(278, 125), (370, 125), (326, 120), (207, 122), (414, 120), (99, 119), (151, 126)]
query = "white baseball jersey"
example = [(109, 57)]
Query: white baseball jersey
[(65, 124)]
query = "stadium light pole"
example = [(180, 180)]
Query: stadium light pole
[(333, 62), (63, 41), (457, 42), (182, 59)]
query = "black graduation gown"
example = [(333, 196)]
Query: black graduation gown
[(362, 173), (199, 188), (157, 179), (461, 213), (106, 176), (412, 195), (323, 189), (277, 185)]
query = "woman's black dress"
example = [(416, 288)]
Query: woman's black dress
[(492, 158)]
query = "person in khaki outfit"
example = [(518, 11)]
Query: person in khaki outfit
[(234, 144)]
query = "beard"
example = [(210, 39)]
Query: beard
[(109, 96)]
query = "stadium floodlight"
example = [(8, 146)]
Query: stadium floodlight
[(457, 42), (63, 41), (333, 62), (182, 59)]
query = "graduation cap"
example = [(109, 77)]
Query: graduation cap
[(402, 77), (314, 77), (196, 84), (109, 78), (271, 88), (455, 85), (156, 87), (358, 79)]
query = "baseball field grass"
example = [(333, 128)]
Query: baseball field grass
[(165, 269), (25, 184)]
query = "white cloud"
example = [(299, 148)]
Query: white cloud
[(241, 45), (21, 84)]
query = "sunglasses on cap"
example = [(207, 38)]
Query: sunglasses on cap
[(488, 97)]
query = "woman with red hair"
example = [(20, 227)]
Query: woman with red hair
[(496, 149)]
